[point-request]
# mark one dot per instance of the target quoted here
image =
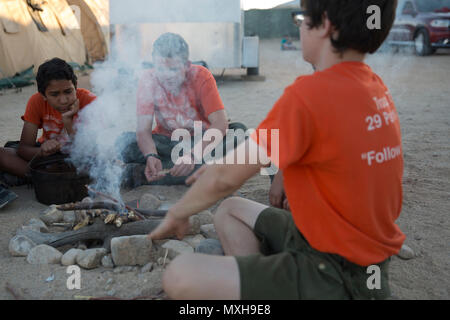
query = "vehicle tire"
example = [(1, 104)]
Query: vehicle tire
[(252, 71), (422, 44)]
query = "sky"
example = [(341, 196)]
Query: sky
[(262, 4)]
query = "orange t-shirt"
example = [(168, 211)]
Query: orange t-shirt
[(40, 113), (197, 99), (341, 154)]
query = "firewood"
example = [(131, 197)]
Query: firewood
[(96, 231)]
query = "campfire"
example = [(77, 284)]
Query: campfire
[(111, 211)]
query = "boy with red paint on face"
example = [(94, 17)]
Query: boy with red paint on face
[(54, 109)]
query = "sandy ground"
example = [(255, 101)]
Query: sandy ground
[(420, 87)]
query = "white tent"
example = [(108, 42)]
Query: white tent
[(32, 32)]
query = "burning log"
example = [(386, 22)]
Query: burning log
[(105, 205), (89, 206)]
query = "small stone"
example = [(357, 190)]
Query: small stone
[(20, 246), (44, 254), (131, 251), (206, 217), (195, 224), (51, 215), (176, 247), (163, 262), (147, 268), (194, 241), (38, 224), (209, 231), (87, 200), (90, 259), (107, 261), (69, 217), (406, 253), (210, 246), (70, 257), (123, 269), (82, 246), (149, 202), (111, 292)]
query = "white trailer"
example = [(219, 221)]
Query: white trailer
[(214, 29)]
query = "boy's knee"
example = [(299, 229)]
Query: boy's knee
[(176, 278), (225, 208)]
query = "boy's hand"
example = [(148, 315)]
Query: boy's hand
[(182, 167), (276, 193), (68, 115), (169, 227), (152, 169), (49, 147), (286, 205)]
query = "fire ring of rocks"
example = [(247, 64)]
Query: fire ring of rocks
[(100, 232)]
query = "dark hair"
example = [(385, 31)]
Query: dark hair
[(54, 69), (171, 45), (349, 17)]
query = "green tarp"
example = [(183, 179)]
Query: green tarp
[(22, 79)]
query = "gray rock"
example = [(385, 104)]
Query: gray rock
[(38, 225), (163, 262), (69, 217), (123, 269), (149, 202), (147, 268), (20, 246), (131, 251), (44, 254), (107, 261), (51, 215), (90, 259), (194, 222), (176, 247), (210, 246), (70, 257), (206, 217), (111, 292), (208, 231), (194, 241), (406, 253)]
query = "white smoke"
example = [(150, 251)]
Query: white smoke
[(94, 148)]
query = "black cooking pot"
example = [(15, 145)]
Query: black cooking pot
[(56, 181)]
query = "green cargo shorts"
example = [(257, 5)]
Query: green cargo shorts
[(290, 269)]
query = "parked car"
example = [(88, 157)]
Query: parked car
[(423, 24)]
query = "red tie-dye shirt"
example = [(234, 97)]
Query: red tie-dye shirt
[(196, 100)]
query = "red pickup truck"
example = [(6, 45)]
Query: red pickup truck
[(423, 24)]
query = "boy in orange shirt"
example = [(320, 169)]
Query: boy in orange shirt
[(175, 94), (54, 109), (340, 152)]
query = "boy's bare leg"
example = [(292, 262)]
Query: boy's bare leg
[(234, 221), (10, 162), (198, 276), (202, 277)]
